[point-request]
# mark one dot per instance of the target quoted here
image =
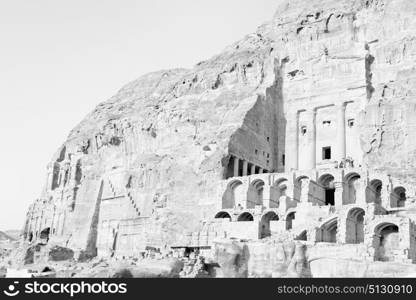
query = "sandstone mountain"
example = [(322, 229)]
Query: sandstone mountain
[(148, 166)]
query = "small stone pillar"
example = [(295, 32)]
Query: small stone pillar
[(311, 137), (236, 166)]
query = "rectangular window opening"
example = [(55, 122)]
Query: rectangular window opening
[(326, 153)]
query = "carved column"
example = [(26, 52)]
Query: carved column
[(311, 138), (292, 142), (340, 138), (385, 196), (245, 168), (236, 166)]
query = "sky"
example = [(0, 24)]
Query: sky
[(60, 58)]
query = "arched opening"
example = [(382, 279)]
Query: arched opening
[(78, 172), (245, 217), (327, 183), (223, 215), (44, 234), (289, 220), (232, 166), (255, 193), (30, 236), (328, 231), (265, 223), (352, 185), (387, 241), (278, 192), (373, 191), (355, 226), (327, 23), (398, 197), (233, 195), (66, 176)]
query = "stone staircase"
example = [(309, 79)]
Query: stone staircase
[(124, 193), (133, 202)]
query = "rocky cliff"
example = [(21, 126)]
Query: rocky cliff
[(146, 166)]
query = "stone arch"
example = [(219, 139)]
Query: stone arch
[(290, 216), (233, 195), (328, 231), (355, 226), (223, 215), (351, 187), (326, 181), (255, 193), (373, 191), (398, 197), (265, 223), (386, 241), (245, 217)]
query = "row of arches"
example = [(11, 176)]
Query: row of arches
[(385, 239), (238, 196), (265, 220)]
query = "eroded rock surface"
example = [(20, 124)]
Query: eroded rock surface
[(151, 166)]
